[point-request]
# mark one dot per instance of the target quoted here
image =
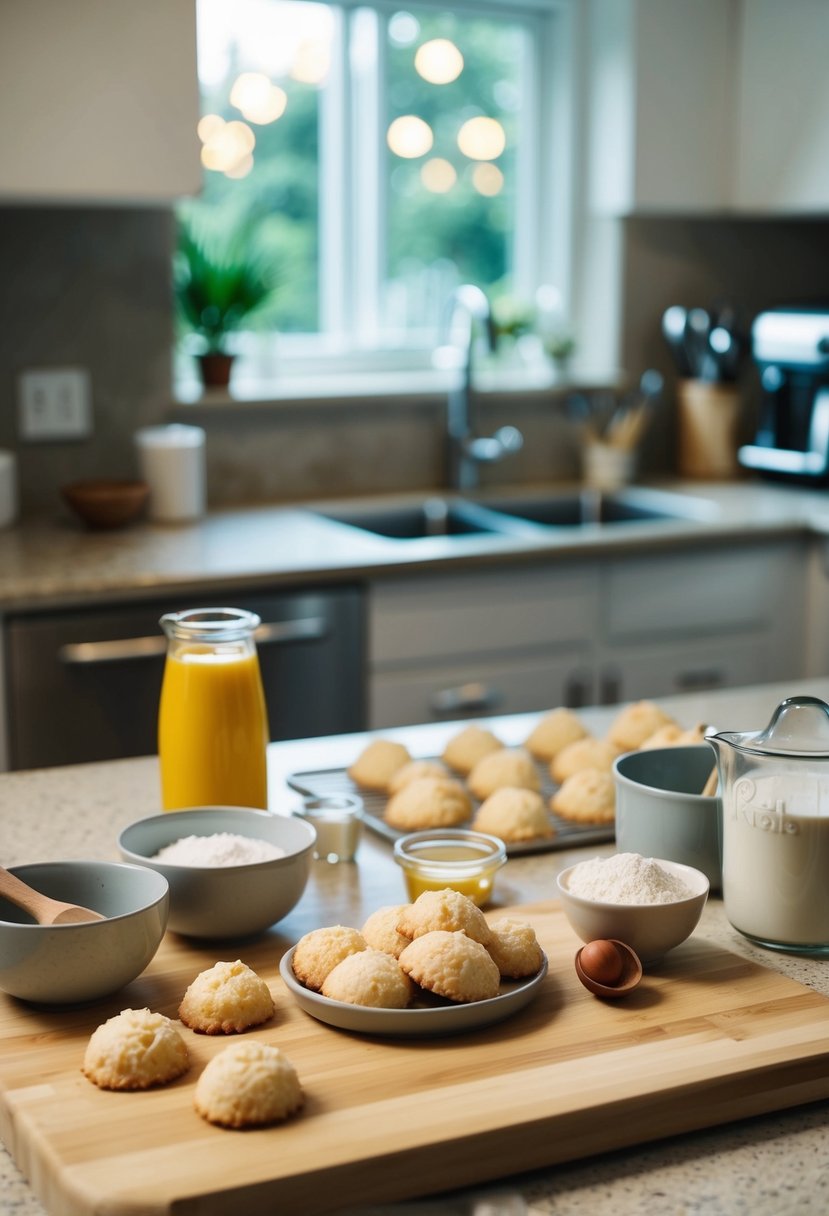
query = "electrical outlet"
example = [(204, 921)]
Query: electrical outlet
[(54, 404)]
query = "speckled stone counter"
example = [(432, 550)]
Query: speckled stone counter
[(764, 1167)]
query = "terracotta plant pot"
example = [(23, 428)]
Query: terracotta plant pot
[(215, 370)]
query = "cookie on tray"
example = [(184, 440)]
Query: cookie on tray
[(553, 732), (377, 763), (447, 910), (428, 802), (370, 978), (464, 750), (636, 723), (589, 796), (584, 753), (508, 766), (673, 735), (227, 998), (451, 965), (318, 952), (413, 770), (380, 930), (248, 1084), (135, 1049), (514, 948), (514, 815)]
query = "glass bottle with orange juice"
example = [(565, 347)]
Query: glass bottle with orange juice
[(212, 719)]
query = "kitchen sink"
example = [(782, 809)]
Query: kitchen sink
[(430, 518), (518, 516)]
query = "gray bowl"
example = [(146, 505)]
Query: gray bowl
[(68, 964), (225, 901)]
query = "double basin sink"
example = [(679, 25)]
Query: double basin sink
[(520, 516)]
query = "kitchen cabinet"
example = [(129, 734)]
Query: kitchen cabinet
[(98, 102), (527, 638), (719, 105)]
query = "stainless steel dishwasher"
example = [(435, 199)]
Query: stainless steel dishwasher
[(84, 684)]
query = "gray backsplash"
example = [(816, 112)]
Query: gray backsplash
[(91, 288)]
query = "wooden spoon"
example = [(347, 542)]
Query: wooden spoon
[(46, 911), (710, 787)]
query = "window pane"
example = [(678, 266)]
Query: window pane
[(453, 101)]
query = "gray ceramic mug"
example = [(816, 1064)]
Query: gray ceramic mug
[(660, 811)]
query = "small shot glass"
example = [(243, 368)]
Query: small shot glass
[(338, 820)]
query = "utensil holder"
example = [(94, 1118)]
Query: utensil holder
[(606, 467), (709, 416)]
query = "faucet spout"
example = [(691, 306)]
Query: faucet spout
[(468, 304)]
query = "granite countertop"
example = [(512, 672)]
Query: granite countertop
[(764, 1166), (55, 561)]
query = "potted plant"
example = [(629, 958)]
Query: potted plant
[(220, 281)]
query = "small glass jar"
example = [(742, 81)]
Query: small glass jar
[(338, 822), (453, 857)]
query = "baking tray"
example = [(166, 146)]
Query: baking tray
[(321, 783)]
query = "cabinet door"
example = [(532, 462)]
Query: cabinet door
[(98, 102), (503, 685), (630, 673)]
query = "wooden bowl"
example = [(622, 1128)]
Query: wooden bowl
[(106, 503)]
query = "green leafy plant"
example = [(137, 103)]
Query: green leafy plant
[(221, 280)]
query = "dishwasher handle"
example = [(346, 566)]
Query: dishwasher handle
[(281, 633)]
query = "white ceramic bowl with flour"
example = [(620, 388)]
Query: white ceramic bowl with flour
[(226, 882), (651, 910)]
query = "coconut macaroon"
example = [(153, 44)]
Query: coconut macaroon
[(514, 814), (507, 766), (464, 750), (636, 723), (514, 948), (414, 770), (371, 978), (584, 753), (135, 1049), (428, 802), (446, 910), (589, 796), (226, 999), (451, 965), (553, 732), (377, 763), (673, 735), (380, 930), (248, 1084), (318, 952)]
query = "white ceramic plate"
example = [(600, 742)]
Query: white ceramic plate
[(436, 1020)]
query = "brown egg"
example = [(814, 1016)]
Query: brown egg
[(601, 962)]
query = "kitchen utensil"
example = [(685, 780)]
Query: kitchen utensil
[(652, 930), (660, 811), (709, 1037), (61, 964), (46, 911), (775, 795), (224, 902), (674, 325), (212, 720)]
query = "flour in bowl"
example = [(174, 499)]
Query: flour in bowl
[(627, 878), (220, 849)]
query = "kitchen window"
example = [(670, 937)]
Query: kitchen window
[(383, 155)]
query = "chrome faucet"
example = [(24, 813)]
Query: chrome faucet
[(466, 452)]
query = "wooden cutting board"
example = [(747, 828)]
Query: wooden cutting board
[(706, 1038)]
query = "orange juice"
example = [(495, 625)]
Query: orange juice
[(212, 728)]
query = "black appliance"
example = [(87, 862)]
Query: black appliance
[(790, 347)]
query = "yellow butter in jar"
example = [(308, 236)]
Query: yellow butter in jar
[(462, 860)]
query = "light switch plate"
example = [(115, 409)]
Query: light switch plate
[(54, 403)]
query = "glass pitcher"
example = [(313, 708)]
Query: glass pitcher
[(775, 798), (212, 720)]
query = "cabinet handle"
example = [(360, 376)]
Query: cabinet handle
[(465, 699), (610, 688), (577, 690), (312, 628), (695, 681)]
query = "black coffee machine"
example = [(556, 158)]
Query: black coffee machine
[(791, 349)]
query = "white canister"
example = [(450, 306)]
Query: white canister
[(8, 488), (172, 462)]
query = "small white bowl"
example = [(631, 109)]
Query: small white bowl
[(649, 929), (220, 902), (69, 964)]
